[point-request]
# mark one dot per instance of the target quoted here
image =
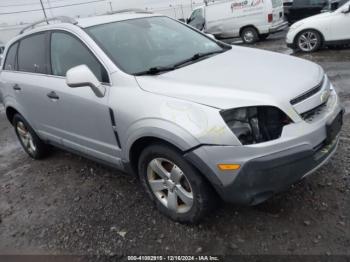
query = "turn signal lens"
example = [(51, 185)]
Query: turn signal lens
[(227, 167)]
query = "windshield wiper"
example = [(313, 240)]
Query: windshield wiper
[(161, 69), (155, 70), (196, 57)]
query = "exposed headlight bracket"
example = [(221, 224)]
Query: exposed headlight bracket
[(257, 124)]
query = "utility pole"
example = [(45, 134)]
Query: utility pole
[(110, 5), (42, 6)]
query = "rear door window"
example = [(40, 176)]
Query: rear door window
[(277, 3), (10, 62), (32, 54), (67, 52)]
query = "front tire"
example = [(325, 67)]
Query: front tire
[(176, 187), (249, 35), (30, 142), (309, 41)]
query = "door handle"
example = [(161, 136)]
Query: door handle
[(16, 87), (53, 95)]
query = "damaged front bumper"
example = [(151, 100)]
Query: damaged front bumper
[(271, 167)]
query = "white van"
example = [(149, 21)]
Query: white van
[(250, 19), (2, 49)]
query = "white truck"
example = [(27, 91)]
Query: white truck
[(252, 20), (2, 48)]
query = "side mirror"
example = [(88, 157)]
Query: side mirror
[(80, 76)]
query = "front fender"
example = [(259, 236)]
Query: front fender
[(162, 129)]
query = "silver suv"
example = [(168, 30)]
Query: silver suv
[(196, 119)]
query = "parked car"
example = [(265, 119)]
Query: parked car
[(249, 19), (331, 28), (296, 10), (196, 119)]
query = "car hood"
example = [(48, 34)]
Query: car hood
[(239, 77)]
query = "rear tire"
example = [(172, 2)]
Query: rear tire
[(30, 142), (176, 188), (249, 35)]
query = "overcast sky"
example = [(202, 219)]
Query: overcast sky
[(98, 7)]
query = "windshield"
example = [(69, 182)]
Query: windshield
[(138, 45)]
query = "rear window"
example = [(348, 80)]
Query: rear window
[(276, 3), (31, 54), (10, 62)]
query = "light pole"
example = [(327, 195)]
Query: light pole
[(174, 8)]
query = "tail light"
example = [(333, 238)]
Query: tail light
[(269, 18)]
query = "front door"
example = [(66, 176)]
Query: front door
[(87, 119)]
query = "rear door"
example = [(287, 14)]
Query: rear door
[(277, 12), (37, 98), (29, 86)]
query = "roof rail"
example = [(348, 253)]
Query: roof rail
[(131, 10), (62, 19)]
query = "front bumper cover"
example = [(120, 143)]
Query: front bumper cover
[(262, 177)]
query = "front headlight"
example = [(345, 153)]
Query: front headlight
[(257, 124)]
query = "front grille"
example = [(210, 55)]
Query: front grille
[(307, 94), (311, 114)]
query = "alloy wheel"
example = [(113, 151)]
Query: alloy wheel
[(308, 41), (248, 36), (170, 185), (25, 137)]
